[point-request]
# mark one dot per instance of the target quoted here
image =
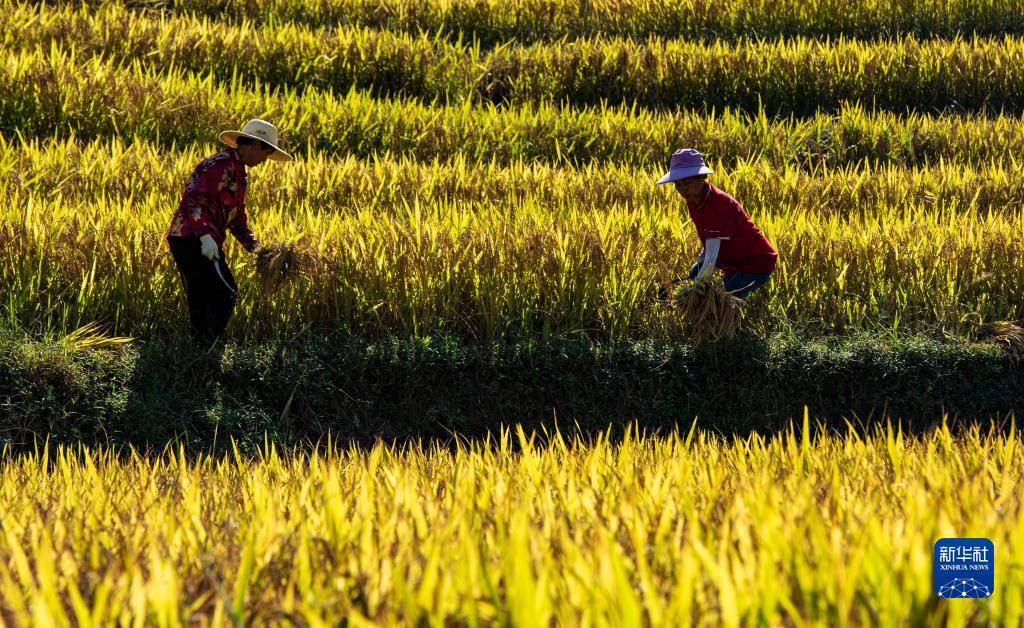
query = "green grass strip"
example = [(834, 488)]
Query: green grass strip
[(150, 393)]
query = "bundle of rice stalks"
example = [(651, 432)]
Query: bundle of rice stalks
[(709, 313), (1007, 334), (279, 264)]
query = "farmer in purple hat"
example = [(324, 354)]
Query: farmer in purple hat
[(729, 239)]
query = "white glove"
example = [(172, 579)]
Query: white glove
[(210, 249)]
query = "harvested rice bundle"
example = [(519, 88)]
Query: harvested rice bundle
[(709, 313), (1007, 334), (281, 263)]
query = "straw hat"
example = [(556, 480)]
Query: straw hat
[(684, 163), (258, 130)]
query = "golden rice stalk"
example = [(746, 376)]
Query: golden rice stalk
[(1007, 334), (279, 264), (91, 336), (709, 313)]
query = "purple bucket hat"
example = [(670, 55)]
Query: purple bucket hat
[(685, 162)]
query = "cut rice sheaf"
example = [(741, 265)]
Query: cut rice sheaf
[(279, 264), (709, 313), (1007, 334)]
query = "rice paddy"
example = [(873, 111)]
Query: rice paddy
[(472, 211), (678, 529)]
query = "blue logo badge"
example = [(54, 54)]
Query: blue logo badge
[(964, 568)]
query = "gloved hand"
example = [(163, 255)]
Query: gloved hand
[(210, 249)]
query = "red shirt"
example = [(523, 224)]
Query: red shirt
[(743, 247), (214, 201)]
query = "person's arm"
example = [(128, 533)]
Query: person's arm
[(719, 224), (696, 266), (711, 246), (239, 227)]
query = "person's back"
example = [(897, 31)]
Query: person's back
[(743, 248)]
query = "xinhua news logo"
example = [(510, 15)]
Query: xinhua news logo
[(964, 568)]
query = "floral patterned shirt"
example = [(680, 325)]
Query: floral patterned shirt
[(214, 201)]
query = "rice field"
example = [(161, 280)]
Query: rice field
[(476, 175), (798, 75), (56, 92), (418, 249), (494, 22), (679, 529)]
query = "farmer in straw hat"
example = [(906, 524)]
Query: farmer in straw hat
[(212, 204), (729, 239)]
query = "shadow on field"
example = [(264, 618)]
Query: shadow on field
[(355, 392)]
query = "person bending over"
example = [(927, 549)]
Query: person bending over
[(212, 204), (730, 241)]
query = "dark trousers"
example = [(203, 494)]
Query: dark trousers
[(742, 284), (210, 288), (739, 283)]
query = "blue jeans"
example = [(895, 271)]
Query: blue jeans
[(741, 284)]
